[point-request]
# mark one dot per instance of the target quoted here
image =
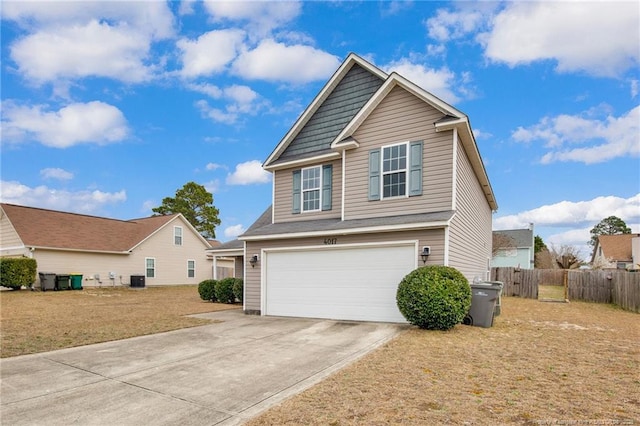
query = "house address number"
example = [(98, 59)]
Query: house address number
[(330, 241)]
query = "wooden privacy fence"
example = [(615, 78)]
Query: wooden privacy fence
[(601, 286)]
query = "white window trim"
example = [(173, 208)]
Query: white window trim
[(146, 268), (175, 235), (194, 268), (406, 171), (302, 190)]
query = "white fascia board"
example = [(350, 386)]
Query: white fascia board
[(364, 230), (303, 161), (226, 252), (337, 76)]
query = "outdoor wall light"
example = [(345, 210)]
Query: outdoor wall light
[(426, 251), (253, 260)]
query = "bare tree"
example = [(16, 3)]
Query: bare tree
[(566, 257), (501, 242)]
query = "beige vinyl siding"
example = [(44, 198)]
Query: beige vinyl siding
[(400, 117), (10, 242), (470, 232), (283, 195), (432, 237), (171, 260)]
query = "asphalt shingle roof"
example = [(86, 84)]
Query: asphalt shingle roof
[(263, 225), (617, 247), (55, 229)]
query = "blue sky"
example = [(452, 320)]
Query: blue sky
[(108, 107)]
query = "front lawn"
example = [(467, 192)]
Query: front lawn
[(34, 321), (541, 363)]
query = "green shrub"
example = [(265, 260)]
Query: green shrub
[(434, 297), (16, 272), (238, 289), (224, 290), (207, 290)]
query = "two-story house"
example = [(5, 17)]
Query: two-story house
[(620, 251), (376, 178)]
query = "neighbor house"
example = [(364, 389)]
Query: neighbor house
[(166, 250), (620, 251), (375, 178), (516, 248)]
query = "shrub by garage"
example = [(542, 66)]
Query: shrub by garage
[(206, 289), (434, 297), (224, 290)]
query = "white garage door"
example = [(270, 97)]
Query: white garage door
[(355, 283)]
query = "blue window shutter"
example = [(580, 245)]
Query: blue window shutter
[(374, 174), (327, 175), (297, 188), (415, 169)]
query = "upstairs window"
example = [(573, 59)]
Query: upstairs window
[(177, 235), (394, 171), (311, 189)]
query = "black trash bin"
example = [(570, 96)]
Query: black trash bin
[(63, 282), (47, 281), (137, 281)]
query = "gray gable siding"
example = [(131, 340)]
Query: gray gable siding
[(344, 102)]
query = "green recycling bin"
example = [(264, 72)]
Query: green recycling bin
[(63, 282), (76, 281)]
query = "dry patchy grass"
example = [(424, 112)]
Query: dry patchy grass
[(33, 321), (541, 363)]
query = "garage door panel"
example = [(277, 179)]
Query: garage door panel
[(339, 283)]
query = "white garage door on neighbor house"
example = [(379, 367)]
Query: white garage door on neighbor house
[(337, 282)]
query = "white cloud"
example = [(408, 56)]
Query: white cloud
[(574, 214), (94, 49), (440, 82), (212, 186), (249, 173), (447, 25), (84, 201), (151, 17), (77, 123), (600, 139), (233, 231), (211, 52), (598, 38), (71, 40), (215, 166), (261, 17), (243, 100), (273, 61), (56, 173)]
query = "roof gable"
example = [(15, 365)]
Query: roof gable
[(453, 119), (341, 98), (71, 231)]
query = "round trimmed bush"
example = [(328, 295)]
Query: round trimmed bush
[(238, 289), (434, 297), (224, 290), (207, 290)]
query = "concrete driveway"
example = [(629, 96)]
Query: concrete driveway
[(218, 374)]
